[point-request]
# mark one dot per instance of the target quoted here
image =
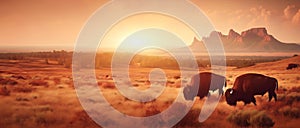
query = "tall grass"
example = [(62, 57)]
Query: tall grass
[(254, 118)]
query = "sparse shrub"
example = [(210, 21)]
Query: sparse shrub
[(152, 110), (292, 97), (240, 118), (4, 81), (290, 111), (284, 89), (23, 119), (168, 101), (281, 97), (170, 82), (43, 108), (7, 111), (177, 77), (135, 85), (191, 119), (61, 86), (138, 80), (295, 89), (39, 83), (178, 83), (107, 85), (245, 118), (18, 77), (126, 99), (22, 99), (221, 112), (23, 89), (49, 118), (4, 91), (82, 119), (41, 118), (56, 80), (261, 120)]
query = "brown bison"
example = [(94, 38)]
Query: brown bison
[(248, 85), (291, 66), (206, 81)]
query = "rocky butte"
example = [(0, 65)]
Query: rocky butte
[(252, 40)]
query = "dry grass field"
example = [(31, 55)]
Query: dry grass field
[(36, 94)]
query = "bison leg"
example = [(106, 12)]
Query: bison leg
[(221, 92), (271, 95), (202, 96), (253, 100), (245, 103)]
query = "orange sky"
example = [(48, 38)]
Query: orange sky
[(58, 22), (122, 30)]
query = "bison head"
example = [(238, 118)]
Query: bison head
[(231, 96), (188, 92)]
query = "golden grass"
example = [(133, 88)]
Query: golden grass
[(45, 97)]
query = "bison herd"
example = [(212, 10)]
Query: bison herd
[(244, 89)]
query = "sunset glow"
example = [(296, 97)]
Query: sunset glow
[(58, 23), (128, 26)]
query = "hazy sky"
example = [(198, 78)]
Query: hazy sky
[(58, 22), (140, 22)]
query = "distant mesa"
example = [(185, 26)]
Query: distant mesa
[(252, 40)]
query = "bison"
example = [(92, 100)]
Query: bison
[(291, 66), (208, 81), (248, 85)]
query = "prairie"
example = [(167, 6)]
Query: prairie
[(39, 92)]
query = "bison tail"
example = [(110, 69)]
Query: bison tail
[(276, 85)]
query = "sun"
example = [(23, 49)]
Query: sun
[(126, 27)]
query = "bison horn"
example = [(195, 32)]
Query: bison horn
[(231, 92)]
